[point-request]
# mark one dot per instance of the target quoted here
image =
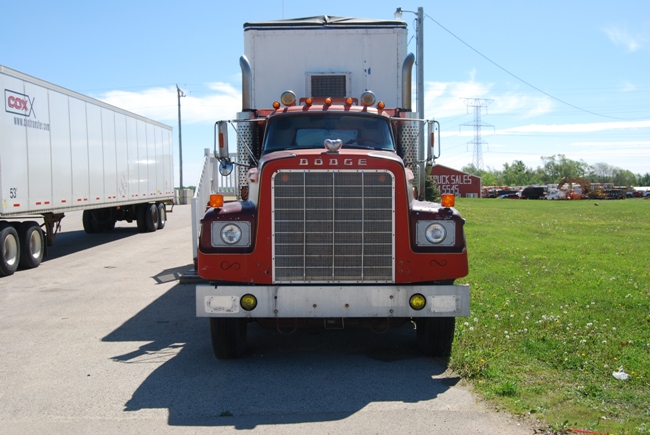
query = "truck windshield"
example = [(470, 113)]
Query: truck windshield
[(310, 131)]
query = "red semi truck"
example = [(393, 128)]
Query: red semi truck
[(330, 228)]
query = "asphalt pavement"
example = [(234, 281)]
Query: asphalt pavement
[(102, 338)]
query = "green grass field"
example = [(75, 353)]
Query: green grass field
[(560, 300)]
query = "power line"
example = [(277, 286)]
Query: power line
[(524, 81)]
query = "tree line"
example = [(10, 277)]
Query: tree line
[(553, 169)]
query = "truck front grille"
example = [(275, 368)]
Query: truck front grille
[(333, 226)]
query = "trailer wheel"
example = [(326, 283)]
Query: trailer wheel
[(109, 225), (32, 244), (88, 219), (140, 211), (151, 217), (435, 335), (9, 249), (228, 337), (162, 216)]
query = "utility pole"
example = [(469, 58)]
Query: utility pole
[(477, 104), (180, 140)]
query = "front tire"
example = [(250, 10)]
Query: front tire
[(9, 249), (32, 244), (435, 335), (228, 337)]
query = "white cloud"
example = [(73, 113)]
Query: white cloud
[(222, 101), (621, 36), (448, 99), (575, 128)]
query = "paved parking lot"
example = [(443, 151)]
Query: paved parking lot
[(102, 338)]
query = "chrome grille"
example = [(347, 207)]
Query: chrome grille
[(333, 226)]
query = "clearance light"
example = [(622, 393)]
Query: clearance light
[(248, 302), (448, 200), (216, 200), (244, 193), (309, 101), (349, 101), (288, 98), (417, 301), (381, 105), (328, 101), (276, 105)]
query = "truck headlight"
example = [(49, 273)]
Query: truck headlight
[(435, 233), (230, 234)]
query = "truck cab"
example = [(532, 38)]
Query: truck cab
[(330, 228)]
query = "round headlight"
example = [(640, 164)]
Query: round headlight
[(230, 234), (288, 98), (435, 233)]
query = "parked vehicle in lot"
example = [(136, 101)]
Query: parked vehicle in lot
[(61, 151), (330, 228)]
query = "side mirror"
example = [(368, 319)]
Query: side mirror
[(225, 167)]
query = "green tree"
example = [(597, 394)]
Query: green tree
[(431, 191), (516, 174), (558, 166)]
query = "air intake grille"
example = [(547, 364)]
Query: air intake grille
[(328, 86), (333, 226)]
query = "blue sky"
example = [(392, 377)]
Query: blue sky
[(564, 77)]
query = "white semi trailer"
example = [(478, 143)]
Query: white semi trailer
[(61, 151)]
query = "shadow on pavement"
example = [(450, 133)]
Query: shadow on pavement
[(308, 376), (70, 242)]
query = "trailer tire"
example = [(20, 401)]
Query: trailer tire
[(151, 217), (140, 218), (88, 219), (32, 244), (228, 337), (109, 225), (162, 216), (9, 249), (435, 335)]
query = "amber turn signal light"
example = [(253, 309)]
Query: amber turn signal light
[(448, 200), (216, 200)]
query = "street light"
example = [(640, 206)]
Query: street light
[(180, 141)]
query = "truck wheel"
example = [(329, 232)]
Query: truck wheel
[(151, 217), (88, 219), (162, 216), (32, 244), (228, 337), (9, 249), (435, 335)]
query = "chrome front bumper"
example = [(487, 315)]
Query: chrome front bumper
[(332, 301)]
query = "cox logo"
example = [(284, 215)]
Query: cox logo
[(17, 103)]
